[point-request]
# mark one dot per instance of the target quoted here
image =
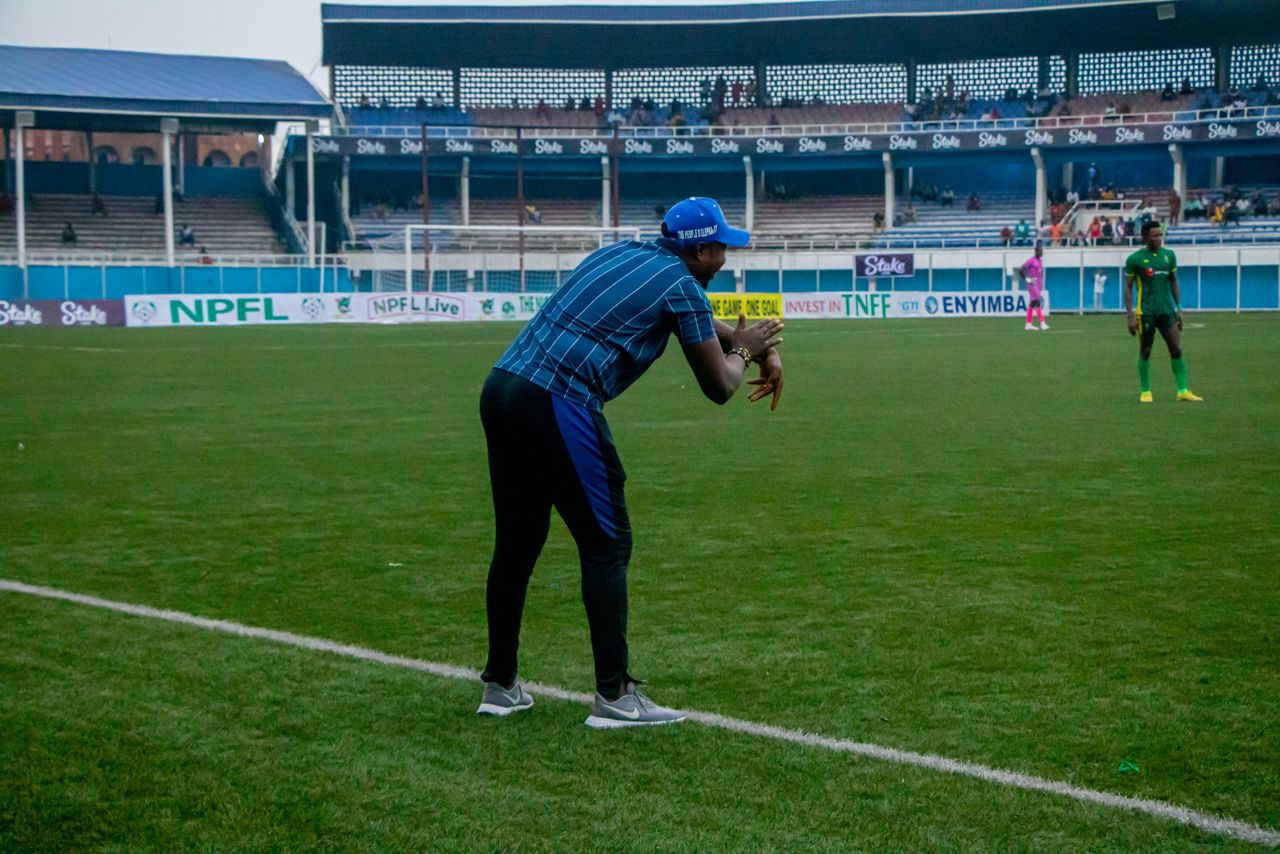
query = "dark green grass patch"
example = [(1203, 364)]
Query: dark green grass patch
[(952, 537)]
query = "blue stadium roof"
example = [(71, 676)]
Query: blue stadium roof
[(695, 14), (788, 33), (122, 82)]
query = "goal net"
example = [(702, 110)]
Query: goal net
[(485, 258)]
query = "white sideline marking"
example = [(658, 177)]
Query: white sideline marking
[(1160, 809)]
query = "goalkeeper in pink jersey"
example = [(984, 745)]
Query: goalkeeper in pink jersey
[(1032, 273)]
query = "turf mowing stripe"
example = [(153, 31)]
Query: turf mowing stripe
[(1161, 809)]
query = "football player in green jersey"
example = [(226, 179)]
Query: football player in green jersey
[(1154, 270)]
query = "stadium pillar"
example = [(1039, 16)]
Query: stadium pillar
[(93, 162), (1219, 174), (311, 194), (182, 165), (8, 158), (290, 188), (22, 120), (1041, 187), (751, 192), (168, 127), (911, 80), (457, 88), (1073, 73), (606, 192), (1069, 174), (346, 188), (1179, 178), (464, 190), (608, 88), (1222, 66), (888, 190)]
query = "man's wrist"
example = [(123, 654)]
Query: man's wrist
[(742, 353)]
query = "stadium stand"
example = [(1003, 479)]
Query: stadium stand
[(223, 226)]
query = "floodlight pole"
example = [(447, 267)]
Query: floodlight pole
[(168, 127), (23, 119)]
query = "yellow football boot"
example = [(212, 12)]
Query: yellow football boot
[(1186, 395), (1145, 397)]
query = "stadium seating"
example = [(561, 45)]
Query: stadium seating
[(224, 226), (937, 226)]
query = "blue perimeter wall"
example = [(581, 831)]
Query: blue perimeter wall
[(1206, 287)]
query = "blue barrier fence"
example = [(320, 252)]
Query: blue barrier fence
[(111, 282)]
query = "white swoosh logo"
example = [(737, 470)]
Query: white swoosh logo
[(633, 715)]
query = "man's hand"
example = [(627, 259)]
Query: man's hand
[(1133, 325), (769, 381), (1179, 321), (758, 337)]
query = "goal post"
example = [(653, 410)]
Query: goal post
[(485, 258)]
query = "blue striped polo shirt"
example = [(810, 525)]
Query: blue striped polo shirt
[(609, 321)]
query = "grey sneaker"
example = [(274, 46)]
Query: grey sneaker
[(631, 709), (499, 701)]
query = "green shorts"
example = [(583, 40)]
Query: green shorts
[(1149, 324)]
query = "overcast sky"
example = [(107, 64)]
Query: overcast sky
[(261, 29)]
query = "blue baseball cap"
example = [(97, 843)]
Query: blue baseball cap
[(698, 219)]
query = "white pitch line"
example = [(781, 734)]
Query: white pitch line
[(1160, 809)]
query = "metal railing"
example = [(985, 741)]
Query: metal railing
[(821, 128)]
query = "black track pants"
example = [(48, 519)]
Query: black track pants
[(545, 452)]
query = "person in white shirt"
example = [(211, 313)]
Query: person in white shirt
[(1099, 288)]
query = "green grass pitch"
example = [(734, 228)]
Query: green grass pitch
[(952, 537)]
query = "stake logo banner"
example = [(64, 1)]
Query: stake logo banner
[(884, 265), (754, 306), (55, 312)]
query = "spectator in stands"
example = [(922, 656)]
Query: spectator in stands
[(660, 211), (1218, 216), (735, 92), (364, 102), (1167, 94), (1022, 232), (720, 91), (69, 234), (379, 210), (597, 106), (909, 213), (1185, 88), (585, 104), (773, 119), (205, 257), (1073, 196), (1108, 231), (1099, 288), (1095, 231), (1006, 236), (1095, 175), (158, 208), (877, 222), (96, 206), (437, 101), (569, 105), (532, 215), (543, 111), (421, 104), (1196, 208), (1273, 209), (1258, 202), (749, 93), (187, 236), (1175, 207), (948, 198), (974, 205), (1055, 233), (383, 103), (1260, 85), (1111, 113)]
